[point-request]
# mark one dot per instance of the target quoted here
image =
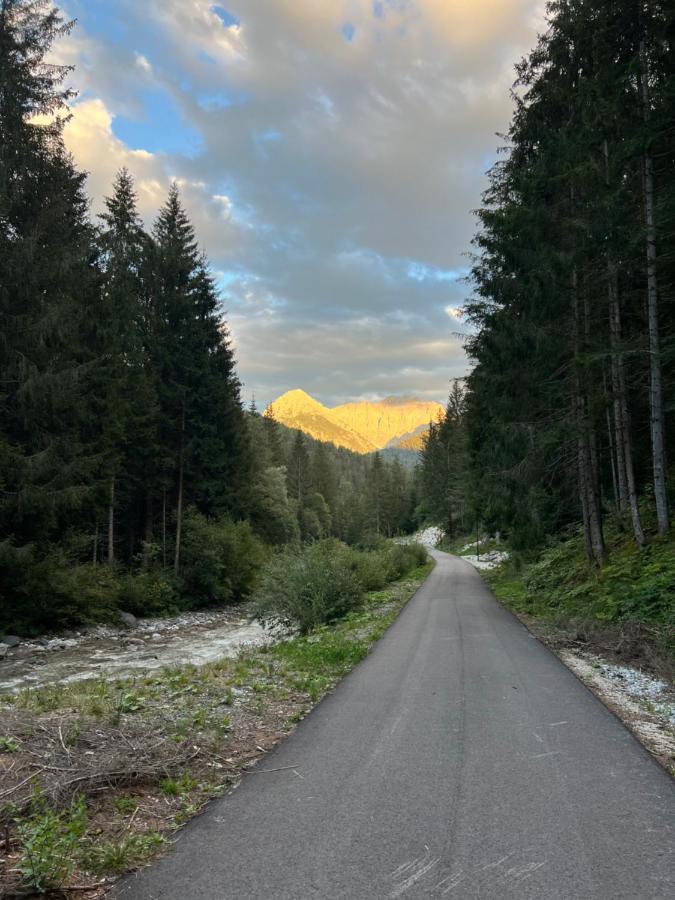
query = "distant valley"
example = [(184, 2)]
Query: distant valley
[(363, 427)]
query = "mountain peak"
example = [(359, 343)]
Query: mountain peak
[(296, 402)]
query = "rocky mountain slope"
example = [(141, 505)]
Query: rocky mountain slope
[(363, 426)]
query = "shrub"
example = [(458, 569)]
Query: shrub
[(308, 587), (151, 593), (49, 842), (221, 560), (326, 580), (52, 591), (403, 558), (371, 569)]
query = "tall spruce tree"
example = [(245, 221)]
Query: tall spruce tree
[(124, 388), (202, 429), (48, 283)]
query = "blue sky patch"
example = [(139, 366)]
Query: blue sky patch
[(228, 20), (160, 129), (418, 271), (348, 31)]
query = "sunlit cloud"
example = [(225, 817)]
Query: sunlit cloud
[(330, 155)]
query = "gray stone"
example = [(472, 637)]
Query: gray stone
[(3, 650), (127, 619), (11, 640)]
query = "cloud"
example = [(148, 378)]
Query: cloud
[(342, 147)]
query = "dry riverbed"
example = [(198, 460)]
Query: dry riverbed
[(145, 753)]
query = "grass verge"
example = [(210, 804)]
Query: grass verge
[(97, 775)]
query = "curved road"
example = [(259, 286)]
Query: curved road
[(461, 759)]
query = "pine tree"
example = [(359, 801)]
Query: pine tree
[(299, 473), (48, 282), (124, 387), (202, 426)]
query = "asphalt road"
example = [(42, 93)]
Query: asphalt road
[(460, 760)]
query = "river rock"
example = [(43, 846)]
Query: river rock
[(62, 644), (3, 650), (11, 640), (128, 619)]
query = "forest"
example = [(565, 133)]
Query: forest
[(567, 432), (131, 476)]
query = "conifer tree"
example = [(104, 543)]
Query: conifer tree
[(47, 283), (124, 388)]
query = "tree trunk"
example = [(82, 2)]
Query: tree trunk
[(583, 497), (611, 439), (655, 382), (164, 528), (95, 554), (179, 504), (148, 533), (624, 440), (589, 494), (111, 523)]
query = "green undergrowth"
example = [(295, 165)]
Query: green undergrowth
[(628, 605), (212, 718)]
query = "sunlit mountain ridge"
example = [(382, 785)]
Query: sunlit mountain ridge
[(362, 426)]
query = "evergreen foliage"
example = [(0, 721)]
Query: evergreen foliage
[(443, 471), (568, 412)]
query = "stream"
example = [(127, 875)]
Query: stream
[(198, 638)]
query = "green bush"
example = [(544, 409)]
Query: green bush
[(403, 558), (221, 560), (41, 592), (308, 587), (371, 569), (326, 580), (151, 593)]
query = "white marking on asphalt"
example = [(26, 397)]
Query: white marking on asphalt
[(550, 753), (498, 863), (450, 883), (523, 872), (555, 724), (420, 867)]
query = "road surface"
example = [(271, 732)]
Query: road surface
[(460, 760)]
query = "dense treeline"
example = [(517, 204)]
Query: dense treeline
[(441, 478), (569, 410), (130, 475), (331, 491)]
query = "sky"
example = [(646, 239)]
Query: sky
[(330, 154)]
